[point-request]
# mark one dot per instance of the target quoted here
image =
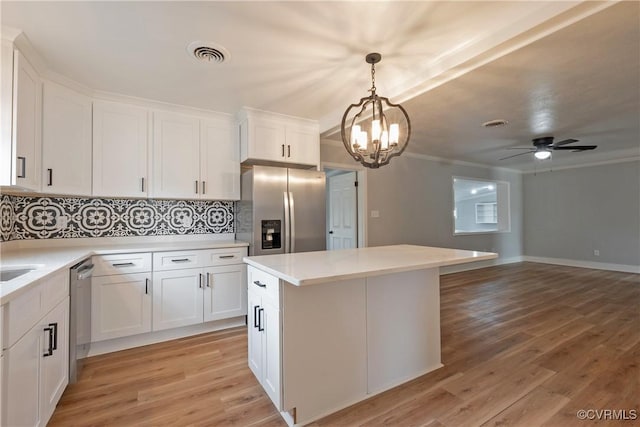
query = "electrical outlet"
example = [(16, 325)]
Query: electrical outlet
[(596, 252), (375, 214)]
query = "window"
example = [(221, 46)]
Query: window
[(480, 206)]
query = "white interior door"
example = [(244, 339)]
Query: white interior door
[(343, 224)]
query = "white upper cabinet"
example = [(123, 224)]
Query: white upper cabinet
[(176, 156), (194, 158), (66, 141), (270, 138), (20, 147), (219, 160), (120, 139)]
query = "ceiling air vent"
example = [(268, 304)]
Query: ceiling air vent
[(207, 52)]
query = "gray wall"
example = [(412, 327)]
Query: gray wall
[(569, 213), (415, 200)]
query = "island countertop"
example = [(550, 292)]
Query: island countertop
[(309, 268)]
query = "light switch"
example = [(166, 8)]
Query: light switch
[(375, 214)]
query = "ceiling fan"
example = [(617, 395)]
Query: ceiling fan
[(544, 145)]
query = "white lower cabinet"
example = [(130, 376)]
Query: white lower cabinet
[(264, 333), (223, 296), (35, 358), (120, 306), (195, 295), (120, 296), (177, 298)]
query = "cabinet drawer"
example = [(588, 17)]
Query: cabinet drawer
[(264, 283), (177, 260), (25, 311), (107, 265), (215, 257)]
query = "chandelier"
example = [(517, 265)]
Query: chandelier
[(374, 130)]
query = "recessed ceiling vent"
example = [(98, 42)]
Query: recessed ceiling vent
[(495, 123), (207, 52)]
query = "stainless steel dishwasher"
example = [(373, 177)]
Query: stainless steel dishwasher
[(79, 316)]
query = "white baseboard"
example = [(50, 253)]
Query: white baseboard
[(584, 264), (124, 343), (480, 264)]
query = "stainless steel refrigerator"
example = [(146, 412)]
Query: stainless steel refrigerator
[(282, 210)]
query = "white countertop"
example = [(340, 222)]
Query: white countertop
[(53, 259), (310, 268)]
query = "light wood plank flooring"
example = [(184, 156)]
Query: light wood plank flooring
[(523, 345)]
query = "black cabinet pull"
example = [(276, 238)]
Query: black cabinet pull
[(226, 256), (55, 335), (123, 264), (204, 188), (196, 187), (24, 167), (50, 179), (200, 280), (256, 323), (146, 286), (260, 327), (50, 345), (180, 260), (142, 179), (282, 150), (262, 285), (288, 151)]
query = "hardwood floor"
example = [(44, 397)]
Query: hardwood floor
[(523, 345)]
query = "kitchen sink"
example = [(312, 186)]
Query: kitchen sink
[(13, 272)]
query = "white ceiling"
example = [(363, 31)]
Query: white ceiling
[(307, 59)]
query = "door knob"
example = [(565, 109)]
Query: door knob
[(331, 232)]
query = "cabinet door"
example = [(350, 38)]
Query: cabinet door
[(22, 379), (254, 335), (303, 145), (26, 126), (176, 156), (266, 140), (225, 294), (66, 141), (120, 306), (7, 143), (54, 375), (219, 161), (120, 138), (177, 298), (271, 351)]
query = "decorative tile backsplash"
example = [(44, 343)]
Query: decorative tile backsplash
[(70, 217)]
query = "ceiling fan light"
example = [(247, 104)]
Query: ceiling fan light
[(542, 154)]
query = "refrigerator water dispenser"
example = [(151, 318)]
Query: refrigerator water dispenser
[(271, 234)]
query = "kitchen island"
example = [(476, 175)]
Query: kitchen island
[(328, 329)]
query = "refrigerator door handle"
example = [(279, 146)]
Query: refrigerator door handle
[(292, 233), (286, 223)]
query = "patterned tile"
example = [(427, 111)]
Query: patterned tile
[(69, 217)]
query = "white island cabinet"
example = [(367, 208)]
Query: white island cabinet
[(328, 329)]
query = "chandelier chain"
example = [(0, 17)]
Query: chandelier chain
[(373, 78)]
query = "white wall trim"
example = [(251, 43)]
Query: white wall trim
[(633, 158), (133, 341), (480, 264), (333, 143), (584, 264)]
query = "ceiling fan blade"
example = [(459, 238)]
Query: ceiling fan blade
[(576, 147), (566, 141), (519, 148), (515, 155)]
